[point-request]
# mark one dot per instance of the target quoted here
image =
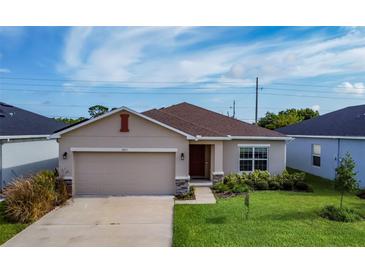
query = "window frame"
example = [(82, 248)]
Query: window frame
[(253, 146), (316, 155)]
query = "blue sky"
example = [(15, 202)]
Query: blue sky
[(61, 71)]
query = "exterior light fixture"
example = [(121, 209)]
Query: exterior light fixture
[(64, 155), (182, 156)]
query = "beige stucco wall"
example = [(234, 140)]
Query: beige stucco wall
[(105, 133), (277, 155)]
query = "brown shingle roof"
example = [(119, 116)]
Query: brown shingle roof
[(199, 121)]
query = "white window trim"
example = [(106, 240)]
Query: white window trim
[(317, 155), (253, 145), (253, 156)]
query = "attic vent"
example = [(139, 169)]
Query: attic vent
[(124, 122)]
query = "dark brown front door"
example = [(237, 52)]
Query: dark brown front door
[(197, 160)]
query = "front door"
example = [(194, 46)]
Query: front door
[(197, 160)]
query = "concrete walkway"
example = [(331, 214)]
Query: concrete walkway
[(103, 221), (203, 195)]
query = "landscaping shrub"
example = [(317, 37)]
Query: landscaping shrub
[(340, 214), (62, 193), (220, 187), (240, 189), (361, 194), (261, 180), (27, 199), (261, 185), (274, 184), (303, 186), (287, 185)]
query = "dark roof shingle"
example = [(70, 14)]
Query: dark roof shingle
[(348, 121), (17, 121), (199, 121)]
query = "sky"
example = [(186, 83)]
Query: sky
[(61, 71)]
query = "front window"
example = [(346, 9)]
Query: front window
[(316, 155), (253, 158)]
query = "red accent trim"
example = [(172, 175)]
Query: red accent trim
[(124, 123)]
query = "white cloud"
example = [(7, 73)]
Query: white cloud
[(168, 54), (355, 88), (316, 107), (4, 70)]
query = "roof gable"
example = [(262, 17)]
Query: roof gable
[(58, 134)]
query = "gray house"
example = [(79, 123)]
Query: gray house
[(24, 144), (320, 142)]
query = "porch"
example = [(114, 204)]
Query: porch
[(205, 162)]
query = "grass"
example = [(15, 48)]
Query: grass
[(277, 218), (8, 229)]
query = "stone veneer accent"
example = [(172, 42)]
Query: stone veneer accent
[(182, 186), (217, 178)]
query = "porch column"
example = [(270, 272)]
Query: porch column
[(218, 162)]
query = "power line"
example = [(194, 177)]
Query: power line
[(115, 92), (183, 93), (304, 90), (144, 106), (311, 85), (119, 81), (114, 87), (164, 82), (312, 96)]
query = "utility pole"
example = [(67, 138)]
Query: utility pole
[(257, 98), (234, 108)]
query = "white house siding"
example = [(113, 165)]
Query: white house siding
[(357, 150), (277, 157), (299, 156), (23, 157)]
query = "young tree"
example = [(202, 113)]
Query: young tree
[(97, 110), (345, 177)]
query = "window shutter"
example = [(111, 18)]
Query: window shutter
[(124, 123)]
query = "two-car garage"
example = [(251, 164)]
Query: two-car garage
[(124, 173)]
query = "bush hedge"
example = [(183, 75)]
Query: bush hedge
[(262, 180), (29, 198), (340, 214)]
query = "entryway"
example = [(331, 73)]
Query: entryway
[(199, 161)]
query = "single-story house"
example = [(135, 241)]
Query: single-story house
[(320, 142), (162, 151), (24, 147)]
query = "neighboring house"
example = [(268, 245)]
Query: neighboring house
[(24, 147), (321, 142), (124, 152)]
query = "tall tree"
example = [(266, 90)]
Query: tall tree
[(97, 110), (286, 117), (345, 177)]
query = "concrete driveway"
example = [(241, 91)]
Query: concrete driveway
[(103, 221)]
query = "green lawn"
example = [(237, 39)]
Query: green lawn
[(277, 218), (8, 230)]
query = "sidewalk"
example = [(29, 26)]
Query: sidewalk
[(203, 195)]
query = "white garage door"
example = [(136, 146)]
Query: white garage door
[(120, 173)]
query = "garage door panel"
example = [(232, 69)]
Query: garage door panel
[(124, 173)]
